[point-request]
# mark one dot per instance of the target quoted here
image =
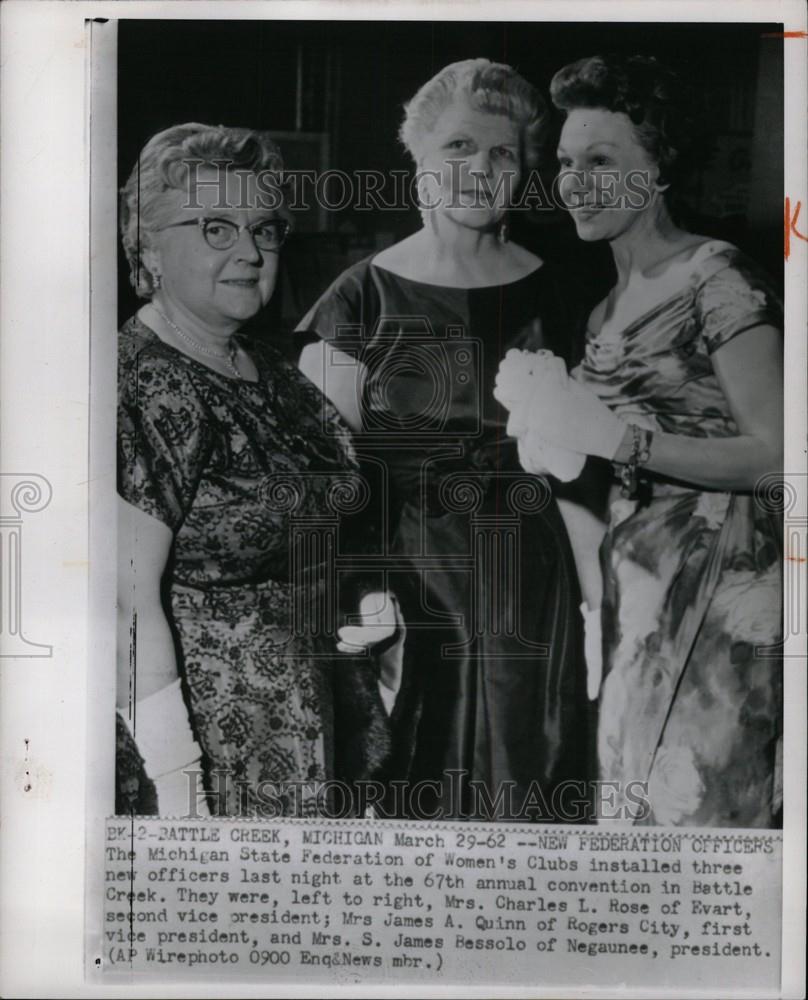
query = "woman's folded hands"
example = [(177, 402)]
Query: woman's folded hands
[(557, 421)]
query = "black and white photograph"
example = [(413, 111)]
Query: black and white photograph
[(439, 491), (448, 455)]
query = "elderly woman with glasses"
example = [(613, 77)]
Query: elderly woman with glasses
[(221, 446)]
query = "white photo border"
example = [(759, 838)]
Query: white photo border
[(55, 782)]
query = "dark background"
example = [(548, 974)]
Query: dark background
[(339, 86)]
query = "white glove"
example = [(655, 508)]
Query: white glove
[(513, 382), (571, 416), (514, 385), (520, 375), (381, 618), (539, 457), (593, 650), (166, 743)]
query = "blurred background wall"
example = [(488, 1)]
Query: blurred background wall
[(334, 91)]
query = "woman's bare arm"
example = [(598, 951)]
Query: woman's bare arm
[(750, 370), (146, 656), (586, 532), (338, 376)]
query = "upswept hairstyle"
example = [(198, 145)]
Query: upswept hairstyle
[(653, 96), (163, 166), (487, 86)]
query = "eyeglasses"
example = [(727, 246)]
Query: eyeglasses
[(222, 234)]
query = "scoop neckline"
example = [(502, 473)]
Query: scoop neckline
[(455, 288), (698, 258), (196, 361), (699, 254)]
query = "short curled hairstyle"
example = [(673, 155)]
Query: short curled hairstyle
[(487, 86), (163, 166), (653, 96)]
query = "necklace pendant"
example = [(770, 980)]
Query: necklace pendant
[(228, 357), (232, 355)]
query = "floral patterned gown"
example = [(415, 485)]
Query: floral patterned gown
[(691, 701), (227, 465)]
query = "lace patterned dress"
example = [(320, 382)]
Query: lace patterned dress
[(691, 701), (228, 466)]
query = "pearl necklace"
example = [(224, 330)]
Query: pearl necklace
[(228, 357)]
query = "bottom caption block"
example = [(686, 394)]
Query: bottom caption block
[(371, 902)]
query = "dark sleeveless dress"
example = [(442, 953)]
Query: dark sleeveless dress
[(492, 716)]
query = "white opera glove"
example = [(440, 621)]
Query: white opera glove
[(593, 650), (520, 375), (540, 457), (514, 379), (571, 416), (381, 619), (166, 743)]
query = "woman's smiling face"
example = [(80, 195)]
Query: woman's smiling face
[(470, 164), (607, 179), (220, 288)]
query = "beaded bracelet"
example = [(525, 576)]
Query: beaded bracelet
[(640, 455)]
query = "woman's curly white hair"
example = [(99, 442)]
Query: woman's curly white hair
[(487, 86), (163, 166)]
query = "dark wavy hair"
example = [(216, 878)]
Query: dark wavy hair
[(656, 100)]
